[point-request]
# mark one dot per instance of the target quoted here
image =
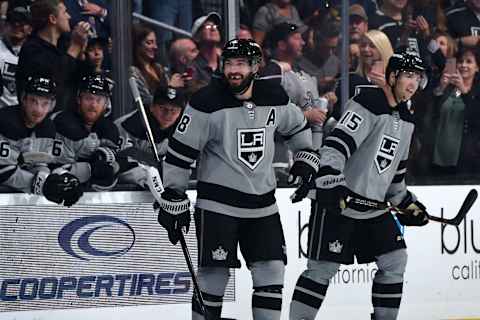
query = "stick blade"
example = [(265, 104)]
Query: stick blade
[(467, 205)]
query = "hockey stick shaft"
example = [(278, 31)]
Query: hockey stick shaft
[(183, 243)]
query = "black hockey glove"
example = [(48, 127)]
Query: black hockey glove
[(331, 189), (104, 169), (412, 213), (173, 213), (59, 188), (304, 168)]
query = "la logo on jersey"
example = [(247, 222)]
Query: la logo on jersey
[(386, 153), (251, 146)]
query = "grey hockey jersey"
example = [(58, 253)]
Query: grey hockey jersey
[(8, 67), (233, 141), (370, 145), (302, 89), (16, 139)]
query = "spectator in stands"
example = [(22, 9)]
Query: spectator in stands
[(27, 146), (148, 74), (206, 33), (287, 42), (321, 60), (95, 12), (40, 53), (463, 22), (358, 23), (182, 53), (177, 13), (271, 14), (375, 51), (457, 114), (17, 29), (94, 54), (244, 32)]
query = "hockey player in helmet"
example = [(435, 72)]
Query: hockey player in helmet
[(27, 146), (89, 138), (228, 127), (362, 172)]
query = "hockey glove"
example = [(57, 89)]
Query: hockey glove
[(173, 213), (304, 168), (412, 213), (331, 189), (104, 169), (59, 188)]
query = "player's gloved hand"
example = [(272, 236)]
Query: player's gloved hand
[(57, 187), (173, 213), (331, 189), (304, 168), (412, 213), (104, 169)]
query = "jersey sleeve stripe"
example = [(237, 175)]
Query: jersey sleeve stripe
[(402, 165), (6, 172), (398, 178), (337, 146), (183, 149), (171, 159), (345, 138), (179, 156), (305, 127), (234, 198)]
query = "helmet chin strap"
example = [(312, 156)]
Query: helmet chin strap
[(243, 86)]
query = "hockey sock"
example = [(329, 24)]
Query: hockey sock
[(213, 305), (307, 298), (386, 300), (267, 302)]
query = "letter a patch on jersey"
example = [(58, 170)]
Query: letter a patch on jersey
[(251, 146), (386, 153)]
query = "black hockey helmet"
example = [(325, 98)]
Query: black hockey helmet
[(407, 62), (41, 86), (95, 83), (242, 48), (172, 96)]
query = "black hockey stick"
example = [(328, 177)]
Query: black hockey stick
[(183, 244), (455, 221)]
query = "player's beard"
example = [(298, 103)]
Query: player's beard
[(242, 86)]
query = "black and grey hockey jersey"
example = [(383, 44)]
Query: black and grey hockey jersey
[(302, 89), (78, 143), (233, 141), (370, 145), (15, 140), (133, 135)]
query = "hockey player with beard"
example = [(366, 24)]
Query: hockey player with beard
[(229, 127), (27, 146), (362, 172), (90, 141)]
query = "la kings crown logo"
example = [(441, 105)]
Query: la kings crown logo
[(251, 146), (386, 153)]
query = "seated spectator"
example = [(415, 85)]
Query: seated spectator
[(463, 22), (94, 12), (40, 53), (17, 30), (358, 23), (457, 115), (182, 53), (271, 14), (27, 146), (206, 33), (244, 32), (148, 74), (321, 60), (94, 54)]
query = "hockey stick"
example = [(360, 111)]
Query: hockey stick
[(455, 221), (183, 244)]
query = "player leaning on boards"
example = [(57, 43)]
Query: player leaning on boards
[(27, 146), (229, 126), (362, 166)]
